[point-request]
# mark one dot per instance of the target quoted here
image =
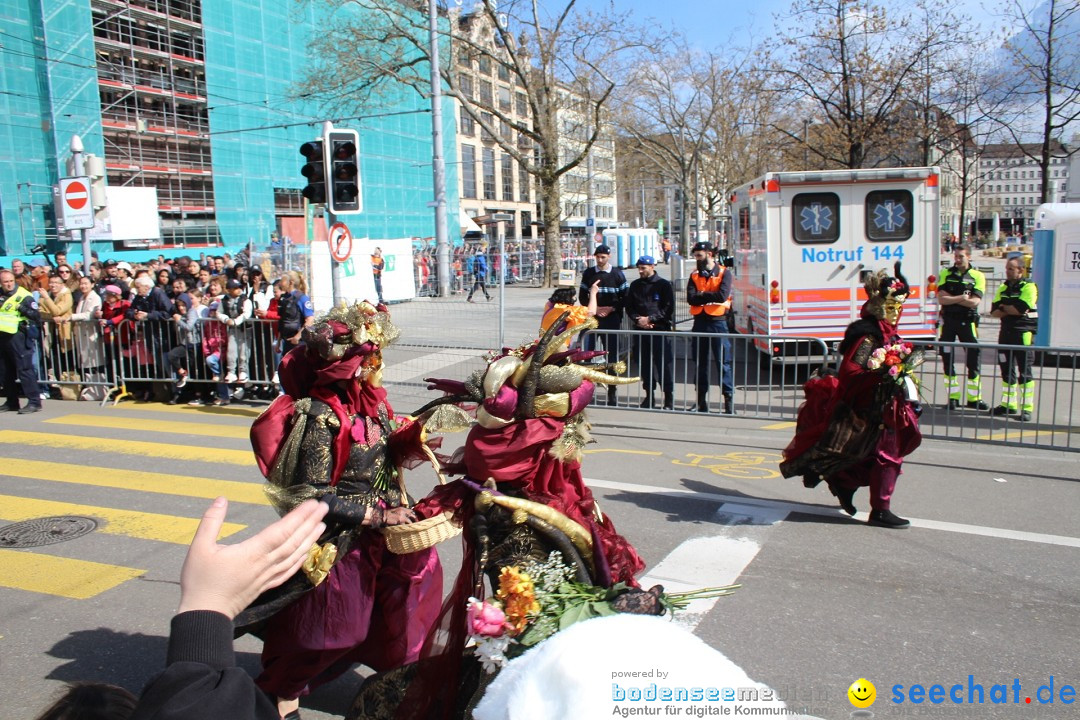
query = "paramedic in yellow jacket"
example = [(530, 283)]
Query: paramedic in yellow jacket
[(959, 294), (1015, 304)]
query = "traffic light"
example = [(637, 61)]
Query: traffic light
[(314, 171), (344, 177)]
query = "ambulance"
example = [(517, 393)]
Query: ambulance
[(803, 241)]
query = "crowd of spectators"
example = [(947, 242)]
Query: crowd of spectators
[(161, 323)]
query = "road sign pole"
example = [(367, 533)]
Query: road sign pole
[(79, 235), (335, 266)]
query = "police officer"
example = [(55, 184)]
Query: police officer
[(1015, 304), (17, 310), (650, 305), (610, 298), (708, 293), (959, 293)]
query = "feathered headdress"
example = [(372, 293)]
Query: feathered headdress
[(881, 286)]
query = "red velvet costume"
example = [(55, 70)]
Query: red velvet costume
[(374, 607), (884, 419)]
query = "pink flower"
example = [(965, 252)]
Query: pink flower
[(486, 619), (894, 371)]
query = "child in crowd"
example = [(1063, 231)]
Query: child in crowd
[(233, 312)]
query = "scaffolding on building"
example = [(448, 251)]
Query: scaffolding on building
[(154, 110)]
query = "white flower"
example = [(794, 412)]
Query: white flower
[(491, 651)]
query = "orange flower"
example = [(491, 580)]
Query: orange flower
[(518, 595)]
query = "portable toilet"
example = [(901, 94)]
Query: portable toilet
[(1055, 269)]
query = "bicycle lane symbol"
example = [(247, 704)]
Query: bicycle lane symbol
[(737, 465)]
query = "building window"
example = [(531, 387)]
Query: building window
[(504, 72), (463, 60), (483, 64), (468, 125), (486, 96), (523, 184), (507, 178), (504, 99), (489, 174), (465, 86), (522, 104), (484, 134), (526, 223), (468, 171)]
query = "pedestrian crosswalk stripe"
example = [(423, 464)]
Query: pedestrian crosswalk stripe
[(162, 483), (172, 427), (131, 523), (222, 411), (141, 448), (66, 577)]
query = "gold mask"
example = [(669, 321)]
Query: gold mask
[(893, 306)]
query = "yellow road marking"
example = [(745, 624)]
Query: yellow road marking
[(143, 525), (625, 452), (163, 426), (66, 577), (191, 409), (183, 485), (779, 426), (169, 451), (1015, 433)]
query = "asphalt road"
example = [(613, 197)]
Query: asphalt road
[(984, 584)]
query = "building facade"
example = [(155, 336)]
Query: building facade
[(195, 101), (490, 179), (1011, 183)]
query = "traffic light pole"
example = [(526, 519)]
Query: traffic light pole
[(438, 164)]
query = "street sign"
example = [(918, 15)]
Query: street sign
[(340, 241), (77, 213), (590, 223)]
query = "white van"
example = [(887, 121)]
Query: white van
[(802, 242)]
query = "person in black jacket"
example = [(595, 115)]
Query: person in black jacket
[(609, 306), (650, 305), (201, 679)]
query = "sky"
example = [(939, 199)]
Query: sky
[(713, 24)]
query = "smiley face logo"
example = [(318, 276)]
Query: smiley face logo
[(862, 693)]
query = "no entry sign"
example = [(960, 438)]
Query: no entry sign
[(76, 210), (340, 240)]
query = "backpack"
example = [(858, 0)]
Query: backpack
[(290, 317)]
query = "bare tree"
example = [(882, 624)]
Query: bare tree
[(847, 66), (742, 142), (667, 111), (564, 59), (1038, 93)]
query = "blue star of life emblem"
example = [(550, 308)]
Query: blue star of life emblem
[(889, 216), (816, 218)]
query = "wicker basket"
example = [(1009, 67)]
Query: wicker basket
[(421, 535)]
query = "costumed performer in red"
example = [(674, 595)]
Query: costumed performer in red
[(855, 429), (334, 436)]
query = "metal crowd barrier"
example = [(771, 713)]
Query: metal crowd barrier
[(1053, 425), (143, 357), (760, 389)]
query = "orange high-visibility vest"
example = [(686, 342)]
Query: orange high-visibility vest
[(711, 284)]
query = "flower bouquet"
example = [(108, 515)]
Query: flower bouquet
[(538, 599), (898, 361)]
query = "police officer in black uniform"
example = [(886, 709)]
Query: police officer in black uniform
[(610, 301), (18, 308), (959, 294)]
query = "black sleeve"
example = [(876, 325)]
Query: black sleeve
[(666, 306), (28, 308), (201, 679), (725, 286), (583, 290)]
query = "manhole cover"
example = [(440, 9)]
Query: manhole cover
[(45, 531)]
